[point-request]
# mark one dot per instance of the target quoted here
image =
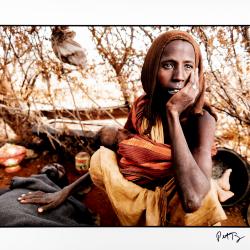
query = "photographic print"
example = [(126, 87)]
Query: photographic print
[(115, 132), (92, 113)]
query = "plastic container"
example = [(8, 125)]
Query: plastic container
[(82, 160)]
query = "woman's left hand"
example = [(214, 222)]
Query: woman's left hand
[(186, 96)]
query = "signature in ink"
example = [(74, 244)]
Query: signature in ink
[(229, 236)]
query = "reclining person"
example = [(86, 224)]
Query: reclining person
[(107, 136), (51, 179)]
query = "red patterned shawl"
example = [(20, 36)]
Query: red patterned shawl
[(143, 160)]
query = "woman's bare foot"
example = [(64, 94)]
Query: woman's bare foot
[(223, 195), (223, 186), (223, 182)]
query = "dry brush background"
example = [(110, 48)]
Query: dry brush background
[(36, 84)]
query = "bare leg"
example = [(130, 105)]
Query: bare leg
[(223, 182), (223, 194), (223, 186)]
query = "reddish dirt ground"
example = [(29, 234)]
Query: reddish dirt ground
[(96, 199)]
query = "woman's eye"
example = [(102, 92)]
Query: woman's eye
[(189, 67), (168, 65)]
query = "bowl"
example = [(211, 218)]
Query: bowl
[(240, 176)]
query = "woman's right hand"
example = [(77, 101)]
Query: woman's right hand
[(186, 96)]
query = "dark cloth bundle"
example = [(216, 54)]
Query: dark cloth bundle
[(13, 213)]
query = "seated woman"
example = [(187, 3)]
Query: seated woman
[(167, 165)]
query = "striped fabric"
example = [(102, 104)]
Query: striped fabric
[(144, 159)]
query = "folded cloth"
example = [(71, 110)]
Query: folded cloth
[(138, 206), (13, 213)]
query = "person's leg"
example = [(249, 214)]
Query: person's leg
[(223, 181), (223, 186)]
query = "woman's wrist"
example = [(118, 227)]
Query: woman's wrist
[(171, 112)]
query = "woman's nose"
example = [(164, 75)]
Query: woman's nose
[(179, 74)]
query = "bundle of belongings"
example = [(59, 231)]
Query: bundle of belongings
[(13, 213)]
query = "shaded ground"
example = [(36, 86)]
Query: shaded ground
[(96, 199)]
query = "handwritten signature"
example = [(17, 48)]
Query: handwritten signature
[(229, 236)]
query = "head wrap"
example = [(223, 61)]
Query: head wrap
[(152, 61)]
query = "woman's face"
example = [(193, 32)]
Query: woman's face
[(177, 63)]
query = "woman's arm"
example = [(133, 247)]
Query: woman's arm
[(193, 169), (53, 200), (192, 166)]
